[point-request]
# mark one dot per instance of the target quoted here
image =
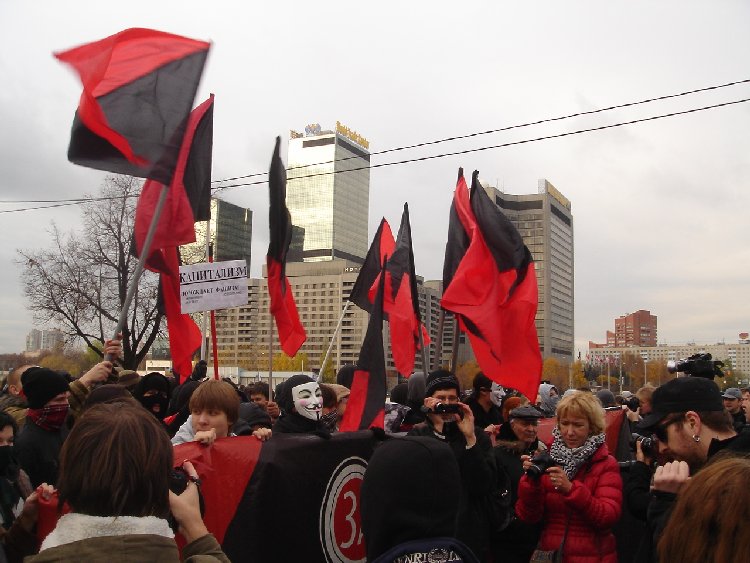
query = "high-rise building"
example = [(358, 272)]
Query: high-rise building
[(545, 222), (38, 340), (328, 190), (633, 329), (231, 235)]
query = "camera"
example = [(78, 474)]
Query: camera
[(539, 464), (632, 403), (697, 365), (648, 447), (178, 480), (445, 408)]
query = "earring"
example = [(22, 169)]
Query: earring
[(696, 438)]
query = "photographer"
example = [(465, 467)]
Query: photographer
[(575, 492), (452, 422)]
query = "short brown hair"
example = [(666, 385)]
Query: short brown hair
[(709, 518), (219, 395), (718, 421), (116, 462), (645, 393), (585, 405)]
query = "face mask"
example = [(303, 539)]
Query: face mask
[(308, 400), (50, 417), (6, 458), (150, 402), (496, 394)]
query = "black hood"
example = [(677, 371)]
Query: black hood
[(410, 491)]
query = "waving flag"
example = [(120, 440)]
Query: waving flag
[(489, 283), (138, 90), (283, 308), (189, 196), (382, 245), (366, 406)]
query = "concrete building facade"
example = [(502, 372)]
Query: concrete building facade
[(545, 221), (633, 329)]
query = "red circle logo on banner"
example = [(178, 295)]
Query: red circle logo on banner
[(340, 523)]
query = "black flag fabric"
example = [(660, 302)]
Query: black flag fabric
[(283, 308), (382, 245), (138, 90), (366, 406), (489, 283)]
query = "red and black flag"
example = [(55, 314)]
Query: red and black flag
[(401, 300), (366, 406), (189, 196), (489, 283), (363, 292), (283, 308), (184, 335), (138, 90)]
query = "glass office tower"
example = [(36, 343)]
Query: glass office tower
[(328, 192)]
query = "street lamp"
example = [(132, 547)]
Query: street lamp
[(645, 377)]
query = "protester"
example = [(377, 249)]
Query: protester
[(516, 438), (214, 409), (579, 498), (746, 403), (644, 396), (301, 402), (511, 402), (260, 394), (691, 425), (607, 399), (396, 410), (114, 475), (128, 379), (472, 449), (152, 392), (38, 444), (12, 400), (410, 500), (111, 393), (547, 399), (732, 402), (709, 520), (485, 401), (181, 406)]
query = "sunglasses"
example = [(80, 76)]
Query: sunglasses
[(660, 430)]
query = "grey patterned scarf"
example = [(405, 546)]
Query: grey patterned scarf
[(572, 459)]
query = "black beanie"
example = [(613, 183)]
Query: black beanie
[(284, 391), (40, 385), (441, 379), (410, 491)]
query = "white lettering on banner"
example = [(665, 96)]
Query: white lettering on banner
[(213, 286)]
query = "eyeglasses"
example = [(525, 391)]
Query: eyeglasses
[(660, 430)]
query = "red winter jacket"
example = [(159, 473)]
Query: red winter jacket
[(592, 506)]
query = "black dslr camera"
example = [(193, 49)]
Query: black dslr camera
[(178, 480), (445, 408), (633, 403), (697, 365), (539, 464)]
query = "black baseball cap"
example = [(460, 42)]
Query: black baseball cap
[(680, 395)]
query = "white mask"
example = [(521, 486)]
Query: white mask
[(496, 394), (308, 400)]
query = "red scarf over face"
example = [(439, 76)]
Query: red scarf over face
[(49, 417)]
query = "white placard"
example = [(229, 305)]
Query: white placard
[(213, 286)]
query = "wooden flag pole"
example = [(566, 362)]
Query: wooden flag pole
[(333, 338), (133, 287)]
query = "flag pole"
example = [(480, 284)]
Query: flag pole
[(439, 343), (133, 287), (204, 328), (270, 358), (454, 351), (214, 345), (425, 367), (335, 334)]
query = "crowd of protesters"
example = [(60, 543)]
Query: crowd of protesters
[(468, 478)]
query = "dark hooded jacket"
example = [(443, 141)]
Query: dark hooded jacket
[(153, 381), (410, 498), (290, 422)]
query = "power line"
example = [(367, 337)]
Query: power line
[(508, 128), (78, 201)]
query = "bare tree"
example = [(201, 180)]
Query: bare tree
[(79, 283)]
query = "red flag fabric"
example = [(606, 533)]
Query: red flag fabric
[(489, 283), (138, 89), (365, 287), (283, 308), (184, 335), (189, 196), (366, 406)]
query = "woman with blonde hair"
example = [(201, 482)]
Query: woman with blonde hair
[(577, 496), (709, 520)]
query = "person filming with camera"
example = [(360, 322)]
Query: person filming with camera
[(452, 422), (576, 490)]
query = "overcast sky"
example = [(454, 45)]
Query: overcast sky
[(660, 208)]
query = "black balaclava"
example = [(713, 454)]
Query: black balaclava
[(153, 381), (410, 491)]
